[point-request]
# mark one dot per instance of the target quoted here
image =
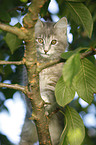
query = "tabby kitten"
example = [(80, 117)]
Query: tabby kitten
[(51, 41)]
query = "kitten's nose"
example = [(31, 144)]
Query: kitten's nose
[(45, 51)]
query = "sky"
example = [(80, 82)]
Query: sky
[(11, 123)]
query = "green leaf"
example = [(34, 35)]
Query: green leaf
[(1, 69), (75, 131), (63, 93), (81, 15), (24, 1), (63, 137), (4, 140), (79, 49), (4, 16), (64, 140), (71, 68), (85, 81), (76, 0), (12, 40), (43, 11), (68, 54), (92, 59)]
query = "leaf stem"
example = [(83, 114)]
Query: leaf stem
[(88, 53)]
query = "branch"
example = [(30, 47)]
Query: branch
[(21, 33), (12, 62), (42, 122), (88, 53), (14, 86), (43, 66), (40, 67), (34, 10)]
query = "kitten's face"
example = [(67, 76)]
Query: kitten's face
[(51, 39), (46, 45)]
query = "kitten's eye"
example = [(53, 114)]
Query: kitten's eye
[(40, 40), (53, 42)]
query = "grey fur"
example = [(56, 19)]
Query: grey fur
[(48, 31)]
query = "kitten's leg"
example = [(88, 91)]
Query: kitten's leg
[(48, 79), (56, 118), (29, 133)]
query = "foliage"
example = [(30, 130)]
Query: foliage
[(78, 75), (4, 140), (74, 130), (12, 40)]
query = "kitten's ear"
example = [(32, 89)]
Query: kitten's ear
[(39, 24), (38, 27), (62, 23)]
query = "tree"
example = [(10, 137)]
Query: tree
[(79, 71)]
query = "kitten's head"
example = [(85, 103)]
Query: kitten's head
[(51, 39)]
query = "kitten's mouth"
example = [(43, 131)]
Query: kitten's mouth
[(45, 54)]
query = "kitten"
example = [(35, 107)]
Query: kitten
[(51, 41)]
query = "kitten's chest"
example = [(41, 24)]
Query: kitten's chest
[(48, 79)]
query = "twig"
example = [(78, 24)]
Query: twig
[(14, 86), (43, 66), (88, 53), (12, 62), (14, 30), (54, 112), (17, 8), (92, 51), (53, 62)]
